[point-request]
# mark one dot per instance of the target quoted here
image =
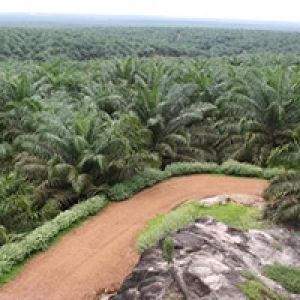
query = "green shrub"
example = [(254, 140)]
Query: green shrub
[(40, 238), (149, 177), (271, 173), (230, 167), (131, 186), (288, 277), (185, 168), (168, 249), (235, 168)]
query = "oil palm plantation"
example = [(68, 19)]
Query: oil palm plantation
[(73, 159), (19, 104), (268, 106)]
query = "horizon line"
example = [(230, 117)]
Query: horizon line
[(163, 17)]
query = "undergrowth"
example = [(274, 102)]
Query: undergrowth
[(15, 269), (255, 289), (13, 255), (287, 277)]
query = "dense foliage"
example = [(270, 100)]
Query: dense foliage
[(79, 43), (71, 129), (283, 193)]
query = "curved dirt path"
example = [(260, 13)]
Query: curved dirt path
[(101, 252)]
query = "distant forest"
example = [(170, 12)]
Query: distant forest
[(84, 43)]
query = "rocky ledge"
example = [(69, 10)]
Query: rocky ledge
[(208, 261)]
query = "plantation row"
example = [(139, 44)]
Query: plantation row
[(70, 130), (106, 42)]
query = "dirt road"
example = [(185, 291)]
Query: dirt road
[(101, 252)]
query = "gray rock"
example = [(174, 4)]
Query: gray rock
[(207, 263), (220, 199)]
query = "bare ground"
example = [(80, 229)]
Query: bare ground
[(98, 255)]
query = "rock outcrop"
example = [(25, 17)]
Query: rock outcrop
[(208, 262)]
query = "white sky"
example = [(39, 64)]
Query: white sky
[(278, 10)]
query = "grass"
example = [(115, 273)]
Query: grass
[(287, 277), (235, 215), (255, 289)]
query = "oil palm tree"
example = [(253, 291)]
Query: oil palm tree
[(73, 159), (216, 138), (167, 109), (269, 111), (283, 193), (282, 196), (16, 209)]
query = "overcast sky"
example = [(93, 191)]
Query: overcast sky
[(278, 10)]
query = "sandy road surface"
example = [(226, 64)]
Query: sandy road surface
[(101, 252)]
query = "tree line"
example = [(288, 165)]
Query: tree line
[(81, 43)]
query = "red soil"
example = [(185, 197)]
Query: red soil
[(98, 255)]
